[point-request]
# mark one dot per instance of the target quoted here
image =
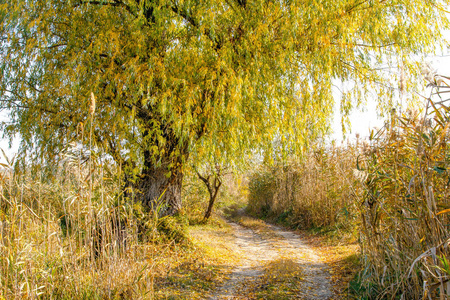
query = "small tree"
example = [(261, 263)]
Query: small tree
[(213, 181)]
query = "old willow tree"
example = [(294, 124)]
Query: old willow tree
[(198, 78)]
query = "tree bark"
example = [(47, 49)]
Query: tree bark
[(160, 192), (212, 198), (160, 183), (213, 189)]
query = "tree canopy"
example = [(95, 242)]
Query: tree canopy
[(205, 78)]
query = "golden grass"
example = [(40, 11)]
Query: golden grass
[(215, 241), (315, 192), (71, 235), (63, 238)]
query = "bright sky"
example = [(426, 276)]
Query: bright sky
[(361, 122)]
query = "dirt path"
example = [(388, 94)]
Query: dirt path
[(260, 249)]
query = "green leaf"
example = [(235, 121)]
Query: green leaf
[(440, 170)]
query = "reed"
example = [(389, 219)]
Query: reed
[(404, 212), (316, 192), (70, 235)]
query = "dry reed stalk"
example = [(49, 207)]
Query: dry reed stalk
[(51, 227), (405, 226), (315, 192)]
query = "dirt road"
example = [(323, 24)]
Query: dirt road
[(261, 249)]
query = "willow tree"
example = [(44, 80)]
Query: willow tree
[(205, 78)]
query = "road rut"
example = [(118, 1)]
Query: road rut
[(256, 250)]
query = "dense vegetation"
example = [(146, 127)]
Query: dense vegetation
[(311, 193), (152, 83), (391, 192), (122, 105)]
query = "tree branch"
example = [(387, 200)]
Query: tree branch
[(196, 24), (115, 3)]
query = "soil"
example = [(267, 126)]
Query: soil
[(257, 249)]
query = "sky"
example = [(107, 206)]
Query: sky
[(363, 121)]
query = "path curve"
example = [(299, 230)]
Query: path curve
[(256, 250)]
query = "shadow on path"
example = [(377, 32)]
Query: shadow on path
[(256, 251)]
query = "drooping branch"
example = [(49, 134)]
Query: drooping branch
[(195, 23), (115, 3)]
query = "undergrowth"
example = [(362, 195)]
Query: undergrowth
[(69, 233), (316, 193), (389, 193)]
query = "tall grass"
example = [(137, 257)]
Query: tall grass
[(316, 192), (405, 207), (71, 235)]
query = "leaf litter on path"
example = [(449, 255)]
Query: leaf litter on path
[(275, 264)]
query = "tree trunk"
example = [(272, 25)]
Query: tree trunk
[(159, 185), (213, 189), (212, 199), (160, 192)]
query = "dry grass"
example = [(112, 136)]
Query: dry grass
[(193, 274), (69, 234), (216, 241), (257, 225), (404, 232), (280, 280), (316, 192)]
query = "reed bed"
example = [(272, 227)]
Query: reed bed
[(69, 234), (316, 192), (405, 207)]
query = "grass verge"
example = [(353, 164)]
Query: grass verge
[(196, 271)]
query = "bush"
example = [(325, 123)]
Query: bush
[(173, 229)]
